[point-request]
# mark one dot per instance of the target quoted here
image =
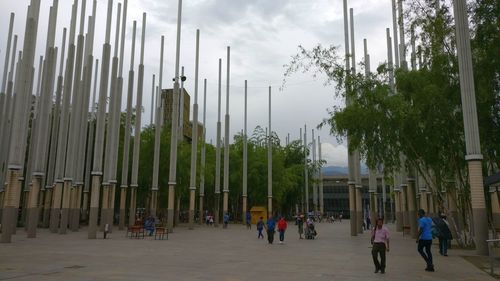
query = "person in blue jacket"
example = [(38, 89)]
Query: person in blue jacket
[(271, 225), (424, 239)]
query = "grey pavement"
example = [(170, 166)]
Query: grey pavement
[(209, 253)]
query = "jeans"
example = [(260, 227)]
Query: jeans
[(260, 233), (282, 235), (427, 255), (270, 236), (443, 246), (379, 248)]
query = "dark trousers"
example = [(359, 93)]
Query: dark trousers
[(443, 246), (282, 235), (379, 248), (270, 236), (424, 248), (260, 233)]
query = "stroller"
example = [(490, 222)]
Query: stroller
[(310, 232)]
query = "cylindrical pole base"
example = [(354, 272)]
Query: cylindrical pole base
[(225, 202), (359, 210), (9, 215), (65, 207), (201, 214), (46, 209), (244, 210), (479, 214), (216, 210), (94, 206), (133, 204), (32, 211), (123, 199), (171, 207), (352, 209), (192, 197)]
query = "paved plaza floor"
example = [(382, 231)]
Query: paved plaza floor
[(209, 253)]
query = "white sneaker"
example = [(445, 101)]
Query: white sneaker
[(281, 242)]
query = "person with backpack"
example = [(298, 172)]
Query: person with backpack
[(443, 233), (260, 227), (282, 228)]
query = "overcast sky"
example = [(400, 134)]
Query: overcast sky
[(262, 34)]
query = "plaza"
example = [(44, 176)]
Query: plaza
[(235, 253)]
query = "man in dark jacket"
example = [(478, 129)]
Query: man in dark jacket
[(443, 233)]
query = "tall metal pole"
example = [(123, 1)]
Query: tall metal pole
[(108, 182), (16, 155), (321, 200), (90, 148), (194, 134), (402, 46), (202, 164), (173, 138), (97, 168), (356, 156), (473, 146), (314, 175), (270, 164), (158, 127), (217, 151), (395, 32), (226, 140), (351, 161), (40, 134), (126, 141), (137, 129), (372, 174), (306, 172), (245, 158), (152, 100)]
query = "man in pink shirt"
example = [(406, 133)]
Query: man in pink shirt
[(380, 242)]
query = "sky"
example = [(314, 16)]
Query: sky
[(262, 34)]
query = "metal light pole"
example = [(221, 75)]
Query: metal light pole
[(97, 166), (194, 134), (314, 175), (473, 147), (351, 161), (137, 129), (321, 200), (17, 145), (158, 127), (306, 172), (245, 159), (226, 140), (173, 139), (202, 164), (270, 164), (217, 151), (126, 141)]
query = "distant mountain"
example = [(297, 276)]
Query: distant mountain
[(337, 170)]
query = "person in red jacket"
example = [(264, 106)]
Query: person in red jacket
[(281, 228)]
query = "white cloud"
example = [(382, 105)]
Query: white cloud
[(335, 155), (262, 34)]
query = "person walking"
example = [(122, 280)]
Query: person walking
[(248, 219), (271, 225), (226, 220), (260, 227), (300, 225), (380, 242), (282, 228), (424, 239), (443, 234)]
